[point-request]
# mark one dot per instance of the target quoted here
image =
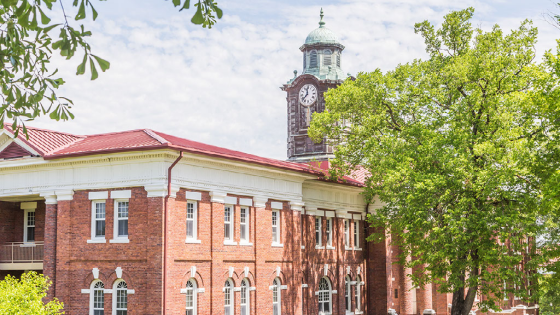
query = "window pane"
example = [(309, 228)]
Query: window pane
[(30, 233), (122, 299), (243, 237), (274, 234), (100, 210), (30, 218), (123, 209), (98, 312), (123, 227), (226, 230), (189, 312), (121, 312), (190, 228), (100, 228)]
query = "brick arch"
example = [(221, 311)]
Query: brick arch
[(250, 276), (187, 276), (125, 276), (274, 276), (89, 279), (233, 277), (330, 274)]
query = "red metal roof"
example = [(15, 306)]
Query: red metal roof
[(55, 145)]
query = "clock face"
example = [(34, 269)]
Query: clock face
[(308, 94)]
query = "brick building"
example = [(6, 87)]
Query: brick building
[(142, 222)]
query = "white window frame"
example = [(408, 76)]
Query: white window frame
[(329, 229), (228, 239), (193, 290), (506, 295), (115, 295), (92, 288), (94, 238), (318, 232), (247, 288), (194, 238), (116, 219), (277, 289), (347, 234), (228, 293), (325, 293), (244, 226), (357, 235), (276, 232), (347, 294), (26, 225), (358, 295)]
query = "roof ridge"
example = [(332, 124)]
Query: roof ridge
[(47, 130), (154, 135)]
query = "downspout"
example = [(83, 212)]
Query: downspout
[(165, 229)]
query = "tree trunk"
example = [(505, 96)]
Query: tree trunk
[(461, 304)]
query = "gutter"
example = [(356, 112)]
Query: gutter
[(165, 229)]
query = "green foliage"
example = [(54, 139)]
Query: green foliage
[(463, 150), (550, 299), (26, 47), (24, 296)]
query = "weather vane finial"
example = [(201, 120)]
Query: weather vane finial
[(321, 23)]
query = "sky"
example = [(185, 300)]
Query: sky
[(221, 86)]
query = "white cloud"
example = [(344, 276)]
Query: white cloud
[(221, 86)]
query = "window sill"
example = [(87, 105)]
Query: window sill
[(302, 247), (319, 247), (348, 248), (245, 243), (230, 243), (330, 247), (349, 313), (120, 240), (192, 241), (97, 241), (359, 249), (358, 312), (277, 245)]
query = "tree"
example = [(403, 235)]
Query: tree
[(460, 148), (25, 296), (550, 299), (26, 46)]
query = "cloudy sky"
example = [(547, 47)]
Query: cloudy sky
[(221, 86)]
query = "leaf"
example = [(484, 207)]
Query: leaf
[(186, 5), (103, 64), (82, 66), (44, 19), (198, 18), (50, 27), (81, 11), (94, 73), (93, 12), (176, 2)]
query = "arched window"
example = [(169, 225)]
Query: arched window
[(120, 298), (276, 297), (325, 307), (245, 303), (228, 297), (191, 297), (97, 298), (313, 59), (358, 295), (347, 296), (327, 60)]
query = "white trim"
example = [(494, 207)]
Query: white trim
[(26, 212), (246, 202), (116, 237), (302, 246), (277, 245), (85, 291), (230, 200), (241, 243), (94, 238), (329, 214), (277, 205), (245, 227), (194, 239), (319, 247), (28, 205), (192, 195), (331, 247), (92, 293), (318, 228), (120, 194), (21, 266), (305, 285), (98, 195), (260, 201), (278, 239), (229, 243)]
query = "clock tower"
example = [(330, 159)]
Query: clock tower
[(321, 71)]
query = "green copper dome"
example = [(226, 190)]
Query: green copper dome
[(322, 35)]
